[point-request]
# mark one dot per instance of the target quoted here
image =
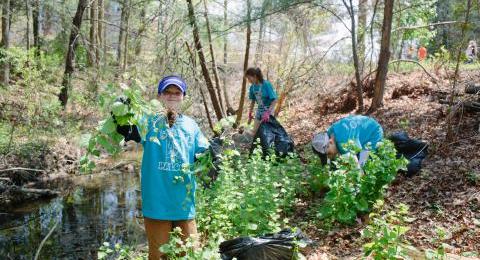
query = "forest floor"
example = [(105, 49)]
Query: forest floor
[(445, 195)]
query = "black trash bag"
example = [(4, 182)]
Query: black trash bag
[(216, 149), (278, 246), (413, 150), (272, 135)]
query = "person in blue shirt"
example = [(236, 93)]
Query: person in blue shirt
[(364, 131), (170, 142), (261, 92)]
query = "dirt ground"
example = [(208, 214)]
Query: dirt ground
[(445, 194)]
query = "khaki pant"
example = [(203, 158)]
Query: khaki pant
[(158, 234)]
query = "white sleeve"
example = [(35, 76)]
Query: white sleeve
[(362, 157)]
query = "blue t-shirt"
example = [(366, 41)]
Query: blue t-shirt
[(168, 182), (263, 94), (360, 129)]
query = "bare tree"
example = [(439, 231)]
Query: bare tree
[(362, 27), (382, 67), (261, 33), (5, 65), (100, 29), (212, 53), (127, 28), (141, 30), (358, 80), (450, 134), (245, 66), (121, 34), (36, 29), (92, 54), (28, 13), (72, 45), (230, 110), (203, 64)]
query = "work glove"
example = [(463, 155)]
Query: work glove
[(129, 132), (266, 116)]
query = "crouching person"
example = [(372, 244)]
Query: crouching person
[(365, 132), (168, 183)]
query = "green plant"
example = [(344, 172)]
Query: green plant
[(250, 195), (352, 189), (176, 248), (105, 135), (118, 251), (385, 233), (473, 178)]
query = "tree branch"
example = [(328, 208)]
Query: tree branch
[(423, 26)]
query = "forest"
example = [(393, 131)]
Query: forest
[(254, 129)]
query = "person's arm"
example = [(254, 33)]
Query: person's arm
[(273, 98), (363, 157), (250, 112), (272, 106)]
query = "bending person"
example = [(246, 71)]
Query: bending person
[(364, 131)]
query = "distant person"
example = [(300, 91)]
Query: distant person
[(261, 92), (364, 131), (411, 52), (471, 52), (422, 53)]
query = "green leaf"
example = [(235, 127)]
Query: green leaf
[(101, 255), (119, 109), (252, 226), (105, 143), (108, 127)]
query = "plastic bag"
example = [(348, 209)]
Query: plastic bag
[(414, 150), (272, 135), (278, 246)]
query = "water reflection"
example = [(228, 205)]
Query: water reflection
[(99, 209)]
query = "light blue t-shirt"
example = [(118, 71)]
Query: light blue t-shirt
[(360, 129), (168, 182), (263, 94)]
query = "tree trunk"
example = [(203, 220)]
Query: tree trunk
[(141, 30), (204, 99), (355, 56), (245, 67), (214, 64), (362, 27), (201, 56), (5, 65), (27, 9), (106, 15), (125, 49), (121, 34), (261, 33), (450, 135), (100, 29), (47, 20), (92, 53), (382, 67), (72, 45), (230, 110), (36, 27)]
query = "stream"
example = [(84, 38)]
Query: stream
[(100, 208)]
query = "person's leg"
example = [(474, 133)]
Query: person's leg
[(157, 235), (256, 125), (189, 227)]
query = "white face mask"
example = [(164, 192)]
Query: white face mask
[(170, 101)]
